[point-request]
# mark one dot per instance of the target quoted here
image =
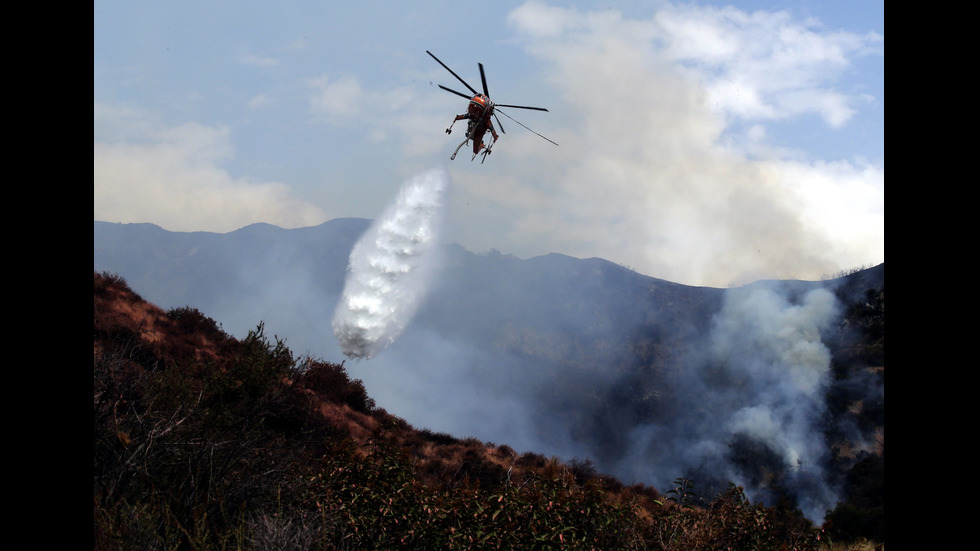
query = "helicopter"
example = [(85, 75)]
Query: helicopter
[(479, 112)]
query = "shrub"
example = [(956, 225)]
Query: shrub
[(331, 382), (190, 321), (181, 451), (440, 438)]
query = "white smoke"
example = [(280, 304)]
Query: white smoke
[(787, 373), (751, 401), (390, 268)]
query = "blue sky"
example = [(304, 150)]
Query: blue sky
[(709, 143)]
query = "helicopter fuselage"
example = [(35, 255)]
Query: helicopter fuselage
[(480, 109)]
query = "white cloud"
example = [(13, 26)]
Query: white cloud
[(845, 202), (259, 101), (172, 176), (336, 100), (764, 65), (256, 60), (645, 176)]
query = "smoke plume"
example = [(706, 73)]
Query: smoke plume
[(390, 267), (750, 401)]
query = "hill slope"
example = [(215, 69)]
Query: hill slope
[(204, 441), (579, 358)]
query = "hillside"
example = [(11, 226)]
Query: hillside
[(205, 441), (771, 384)]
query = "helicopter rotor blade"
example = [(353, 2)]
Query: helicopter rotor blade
[(521, 107), (519, 122), (500, 124), (452, 73), (460, 94), (483, 78)]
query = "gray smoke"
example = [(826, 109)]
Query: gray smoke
[(390, 268), (749, 402), (542, 367)]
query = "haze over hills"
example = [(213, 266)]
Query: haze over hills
[(579, 358)]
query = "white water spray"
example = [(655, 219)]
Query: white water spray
[(390, 268)]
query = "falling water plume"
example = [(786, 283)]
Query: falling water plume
[(390, 268)]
